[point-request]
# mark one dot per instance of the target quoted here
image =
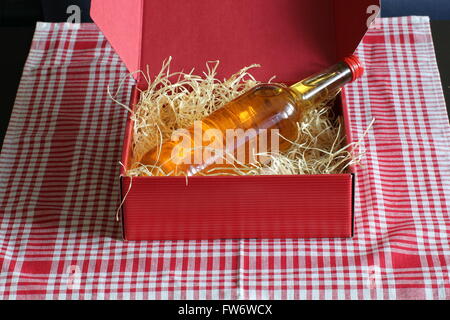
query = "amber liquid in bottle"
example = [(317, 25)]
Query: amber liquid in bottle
[(264, 108)]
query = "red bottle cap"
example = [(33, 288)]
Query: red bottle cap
[(356, 66)]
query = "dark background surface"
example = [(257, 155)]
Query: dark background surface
[(18, 18), (435, 9)]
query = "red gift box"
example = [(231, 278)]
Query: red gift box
[(291, 39)]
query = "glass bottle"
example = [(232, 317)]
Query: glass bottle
[(261, 121)]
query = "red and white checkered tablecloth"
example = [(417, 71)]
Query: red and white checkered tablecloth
[(59, 177)]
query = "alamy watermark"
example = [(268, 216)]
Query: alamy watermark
[(373, 21), (197, 146), (74, 277), (74, 13), (373, 277)]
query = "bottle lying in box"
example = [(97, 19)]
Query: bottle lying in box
[(268, 114)]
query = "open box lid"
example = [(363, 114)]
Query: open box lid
[(291, 39)]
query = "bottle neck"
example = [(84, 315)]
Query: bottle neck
[(322, 86)]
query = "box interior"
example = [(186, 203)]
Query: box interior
[(339, 109)]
